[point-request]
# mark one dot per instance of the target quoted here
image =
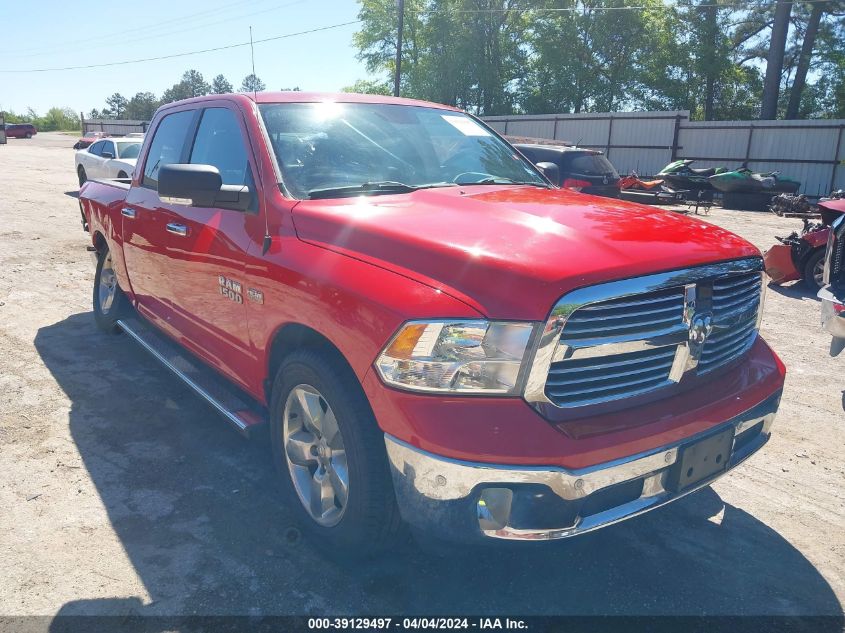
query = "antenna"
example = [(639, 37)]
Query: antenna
[(252, 55), (268, 241)]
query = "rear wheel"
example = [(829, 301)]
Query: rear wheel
[(330, 454), (83, 177), (28, 135), (814, 270), (109, 300)]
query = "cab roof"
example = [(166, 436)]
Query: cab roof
[(316, 97)]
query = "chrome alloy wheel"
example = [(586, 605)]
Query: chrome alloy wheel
[(108, 286), (818, 273), (315, 455)]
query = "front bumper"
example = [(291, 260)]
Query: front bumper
[(459, 500), (833, 317)]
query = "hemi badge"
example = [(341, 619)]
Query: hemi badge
[(255, 295)]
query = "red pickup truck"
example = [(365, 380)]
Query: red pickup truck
[(434, 334)]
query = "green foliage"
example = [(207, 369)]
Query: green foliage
[(220, 85), (116, 106), (252, 83), (369, 87), (542, 56), (64, 119), (142, 106)]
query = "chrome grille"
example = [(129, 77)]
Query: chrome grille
[(837, 259), (736, 303), (633, 336), (578, 382), (627, 316)]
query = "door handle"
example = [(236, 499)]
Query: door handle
[(177, 229), (127, 212)]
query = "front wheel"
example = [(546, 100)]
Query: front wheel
[(814, 270), (109, 300), (83, 177), (330, 455)]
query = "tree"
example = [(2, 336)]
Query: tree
[(252, 83), (177, 92), (369, 87), (194, 83), (804, 59), (142, 106), (220, 85), (116, 106), (774, 60)]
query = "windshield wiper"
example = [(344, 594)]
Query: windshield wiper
[(508, 181), (372, 188)]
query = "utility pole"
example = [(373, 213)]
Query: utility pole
[(398, 76)]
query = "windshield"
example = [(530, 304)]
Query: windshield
[(128, 150), (326, 146)]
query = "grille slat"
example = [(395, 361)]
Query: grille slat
[(580, 381), (619, 360), (597, 313), (596, 393), (748, 296), (837, 259), (663, 365), (647, 299), (732, 296), (640, 316)]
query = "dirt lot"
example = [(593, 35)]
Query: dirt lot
[(122, 493)]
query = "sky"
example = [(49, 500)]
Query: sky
[(62, 34)]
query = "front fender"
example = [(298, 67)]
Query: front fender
[(356, 305)]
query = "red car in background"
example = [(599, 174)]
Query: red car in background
[(20, 130), (89, 138), (801, 256)]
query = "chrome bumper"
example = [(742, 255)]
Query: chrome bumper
[(833, 317), (460, 500)]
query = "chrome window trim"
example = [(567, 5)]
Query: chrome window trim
[(548, 349)]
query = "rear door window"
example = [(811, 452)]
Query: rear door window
[(96, 148), (167, 145)]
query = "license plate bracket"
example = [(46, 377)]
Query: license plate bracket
[(701, 460)]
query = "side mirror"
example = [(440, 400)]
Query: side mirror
[(550, 171), (107, 155), (203, 186)]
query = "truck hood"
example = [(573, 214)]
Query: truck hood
[(512, 252)]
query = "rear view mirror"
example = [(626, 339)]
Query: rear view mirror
[(550, 171), (203, 186)]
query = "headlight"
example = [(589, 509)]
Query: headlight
[(456, 356)]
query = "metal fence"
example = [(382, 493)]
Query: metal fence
[(810, 151), (118, 127)]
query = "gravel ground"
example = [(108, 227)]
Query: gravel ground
[(122, 493)]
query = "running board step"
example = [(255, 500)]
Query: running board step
[(242, 411)]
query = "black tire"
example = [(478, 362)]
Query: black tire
[(106, 318), (122, 174), (370, 521), (809, 272), (83, 177), (28, 135)]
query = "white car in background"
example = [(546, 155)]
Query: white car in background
[(108, 158)]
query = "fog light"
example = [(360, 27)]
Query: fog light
[(494, 508)]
